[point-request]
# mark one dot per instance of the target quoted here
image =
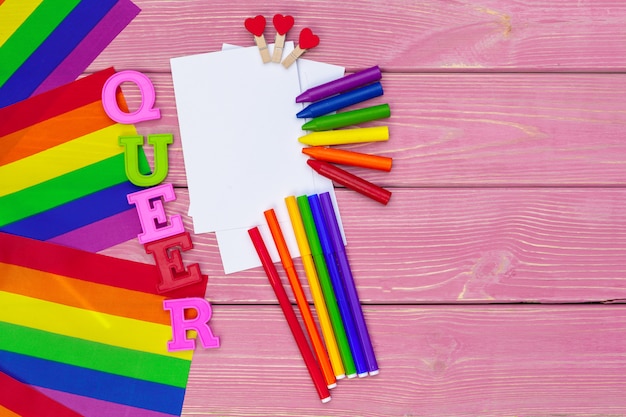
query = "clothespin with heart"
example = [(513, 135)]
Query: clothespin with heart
[(306, 41), (282, 24), (256, 26)]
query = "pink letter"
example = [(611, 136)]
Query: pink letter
[(170, 263), (146, 110), (152, 215), (180, 325)]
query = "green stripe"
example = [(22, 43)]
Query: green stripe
[(31, 34), (97, 356), (65, 188)]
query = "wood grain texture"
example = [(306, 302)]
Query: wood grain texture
[(456, 245), (399, 35), (476, 129), (509, 180), (434, 361)]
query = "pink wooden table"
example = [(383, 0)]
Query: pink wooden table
[(493, 281)]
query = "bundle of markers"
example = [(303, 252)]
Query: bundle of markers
[(347, 350), (325, 127)]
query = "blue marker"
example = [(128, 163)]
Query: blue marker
[(335, 277), (340, 101)]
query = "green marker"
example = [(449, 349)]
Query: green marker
[(349, 118), (327, 286)]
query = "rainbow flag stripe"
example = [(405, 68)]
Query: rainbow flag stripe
[(62, 175), (47, 43), (89, 331)]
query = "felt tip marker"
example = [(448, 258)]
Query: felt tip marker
[(290, 315), (340, 85), (349, 118), (316, 289), (346, 136), (335, 278), (348, 282), (345, 157), (340, 101), (327, 286), (301, 301), (350, 181)]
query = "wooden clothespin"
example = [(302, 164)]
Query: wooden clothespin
[(306, 41), (256, 26), (282, 24)]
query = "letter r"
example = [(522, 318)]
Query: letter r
[(180, 324)]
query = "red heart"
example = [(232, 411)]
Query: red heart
[(307, 39), (282, 23), (255, 25)]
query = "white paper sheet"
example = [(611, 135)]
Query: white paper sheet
[(239, 134)]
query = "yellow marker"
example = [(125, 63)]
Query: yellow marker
[(345, 136), (316, 289)]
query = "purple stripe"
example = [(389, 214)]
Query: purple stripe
[(91, 46), (102, 234), (90, 407)]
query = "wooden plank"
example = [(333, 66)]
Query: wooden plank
[(477, 129), (400, 35), (435, 361), (456, 245)]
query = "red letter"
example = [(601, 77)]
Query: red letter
[(170, 263)]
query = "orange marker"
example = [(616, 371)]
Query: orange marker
[(303, 305), (357, 159)]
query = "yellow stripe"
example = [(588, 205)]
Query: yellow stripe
[(12, 14), (61, 159), (5, 412), (89, 325)]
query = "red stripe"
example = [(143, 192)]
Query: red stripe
[(90, 267), (53, 103), (26, 401)]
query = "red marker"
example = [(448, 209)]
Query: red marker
[(292, 320), (351, 181)]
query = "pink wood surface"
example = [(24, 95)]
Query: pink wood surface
[(457, 245), (508, 137), (435, 361), (399, 35), (479, 129)]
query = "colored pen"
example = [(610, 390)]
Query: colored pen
[(340, 85), (351, 181), (340, 101), (349, 118), (314, 285), (346, 136), (348, 281), (335, 278), (357, 159), (327, 287), (301, 301), (290, 315)]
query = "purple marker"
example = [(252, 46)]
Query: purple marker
[(340, 85), (348, 282), (350, 326)]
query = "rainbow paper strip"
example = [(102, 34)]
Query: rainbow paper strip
[(18, 399), (44, 44), (89, 331), (62, 175)]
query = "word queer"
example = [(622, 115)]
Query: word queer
[(164, 237)]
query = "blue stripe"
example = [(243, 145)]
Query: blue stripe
[(93, 384), (75, 214), (49, 55)]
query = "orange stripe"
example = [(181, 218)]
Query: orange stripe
[(5, 412), (53, 132), (86, 295)]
